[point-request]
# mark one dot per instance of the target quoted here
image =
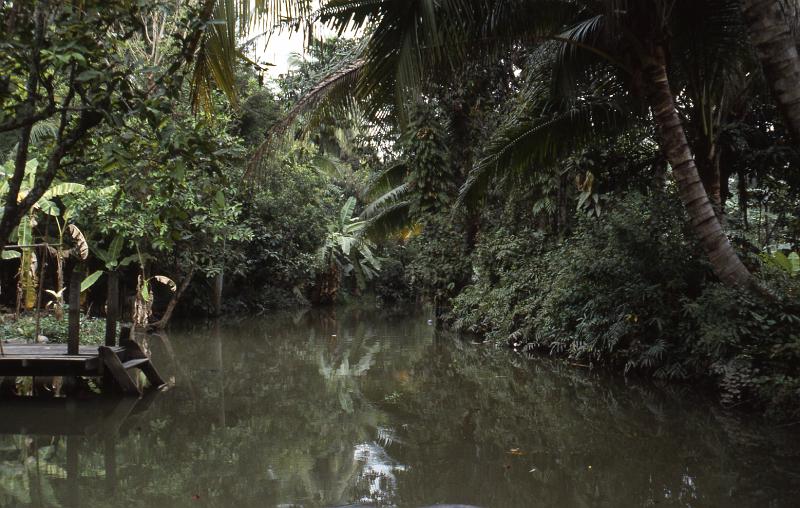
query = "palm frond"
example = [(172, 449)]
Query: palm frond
[(218, 51), (388, 199), (386, 180), (389, 220), (534, 142), (342, 78)]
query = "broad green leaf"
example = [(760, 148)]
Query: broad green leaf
[(11, 254), (346, 243), (30, 171), (782, 261), (88, 75), (90, 280), (115, 249), (128, 260), (794, 262), (62, 189), (145, 292), (583, 197), (25, 232), (347, 210), (48, 207)]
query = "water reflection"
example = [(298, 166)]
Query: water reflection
[(360, 409)]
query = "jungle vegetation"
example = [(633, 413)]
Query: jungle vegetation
[(614, 182)]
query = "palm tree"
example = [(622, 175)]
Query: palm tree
[(636, 38), (776, 46), (616, 37), (346, 252), (628, 41)]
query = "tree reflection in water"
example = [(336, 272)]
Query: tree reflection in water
[(327, 409)]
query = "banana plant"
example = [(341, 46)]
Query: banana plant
[(81, 251), (111, 260), (28, 281), (143, 304), (347, 250), (789, 263)]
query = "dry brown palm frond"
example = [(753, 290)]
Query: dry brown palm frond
[(81, 246)]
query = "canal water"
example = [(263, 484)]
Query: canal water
[(365, 408)]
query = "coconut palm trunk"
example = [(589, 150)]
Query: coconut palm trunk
[(777, 51), (704, 222)]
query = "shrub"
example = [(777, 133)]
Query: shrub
[(750, 343), (632, 290), (616, 288)]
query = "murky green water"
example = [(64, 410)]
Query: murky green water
[(369, 409)]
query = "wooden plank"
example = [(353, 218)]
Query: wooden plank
[(112, 308), (50, 350), (74, 316), (136, 363), (152, 375), (48, 358), (118, 372), (135, 351)]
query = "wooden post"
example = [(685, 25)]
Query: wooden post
[(221, 371), (218, 285), (110, 462), (112, 308), (73, 470), (74, 311)]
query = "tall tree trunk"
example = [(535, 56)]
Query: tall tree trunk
[(742, 189), (707, 162), (777, 51), (705, 224)]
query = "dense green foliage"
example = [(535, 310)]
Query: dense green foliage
[(615, 186), (632, 291), (288, 219), (55, 331)]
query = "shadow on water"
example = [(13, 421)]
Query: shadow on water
[(359, 408)]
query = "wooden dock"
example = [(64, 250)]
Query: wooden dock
[(51, 360), (111, 361)]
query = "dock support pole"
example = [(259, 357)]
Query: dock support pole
[(74, 311), (73, 470), (112, 308), (219, 281)]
